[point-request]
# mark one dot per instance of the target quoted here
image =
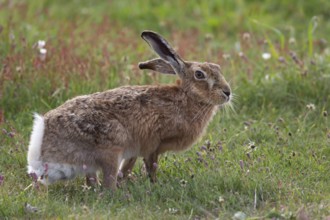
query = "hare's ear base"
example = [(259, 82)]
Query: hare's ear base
[(158, 65), (164, 50)]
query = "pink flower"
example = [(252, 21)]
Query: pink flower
[(241, 164), (2, 178)]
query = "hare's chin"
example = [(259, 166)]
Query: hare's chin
[(225, 102)]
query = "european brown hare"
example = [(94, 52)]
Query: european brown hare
[(106, 130)]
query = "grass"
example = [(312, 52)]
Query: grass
[(268, 159)]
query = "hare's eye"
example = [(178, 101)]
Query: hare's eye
[(199, 75)]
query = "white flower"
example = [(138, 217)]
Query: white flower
[(226, 56), (310, 106), (292, 40), (173, 210), (183, 182), (246, 36), (42, 54), (43, 51), (41, 44), (266, 56), (221, 199)]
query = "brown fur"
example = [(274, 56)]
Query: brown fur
[(134, 121)]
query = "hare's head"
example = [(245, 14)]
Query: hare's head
[(203, 81)]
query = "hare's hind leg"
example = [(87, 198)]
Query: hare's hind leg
[(151, 166)]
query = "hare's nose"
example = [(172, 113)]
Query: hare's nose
[(227, 93)]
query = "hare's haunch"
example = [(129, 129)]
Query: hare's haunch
[(108, 130)]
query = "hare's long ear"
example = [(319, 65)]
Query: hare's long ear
[(164, 51), (158, 65)]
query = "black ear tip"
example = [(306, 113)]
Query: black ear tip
[(143, 34), (143, 65), (148, 33)]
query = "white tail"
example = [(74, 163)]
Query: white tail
[(34, 163)]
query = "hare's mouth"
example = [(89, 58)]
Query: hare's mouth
[(225, 97), (226, 94), (225, 100)]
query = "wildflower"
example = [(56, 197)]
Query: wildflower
[(42, 54), (221, 199), (2, 178), (246, 36), (43, 51), (292, 40), (208, 143), (252, 145), (85, 187), (86, 209), (199, 159), (187, 160), (155, 165), (266, 56), (281, 60), (226, 56), (183, 182), (203, 148), (18, 69), (310, 106), (242, 55), (34, 176), (296, 59), (173, 210), (41, 44), (12, 36), (241, 164), (208, 37), (8, 133)]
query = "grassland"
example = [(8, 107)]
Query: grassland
[(269, 159)]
